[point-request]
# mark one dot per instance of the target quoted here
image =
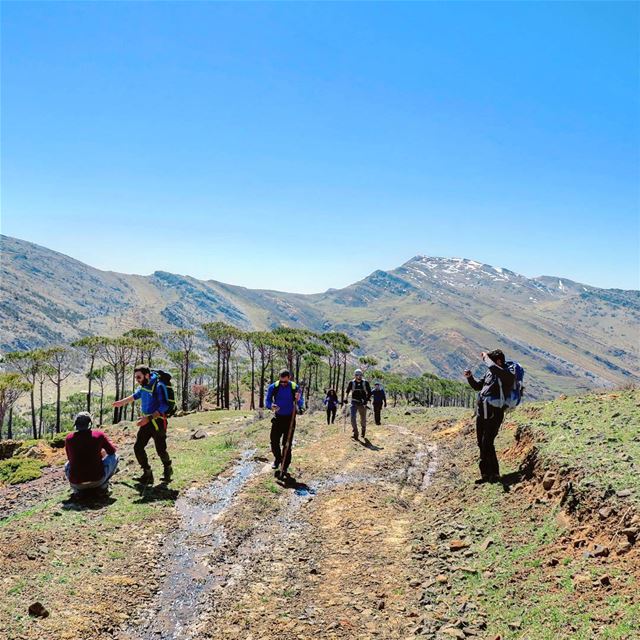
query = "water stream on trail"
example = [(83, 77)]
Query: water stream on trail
[(187, 573), (190, 568)]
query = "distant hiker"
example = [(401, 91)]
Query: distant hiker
[(152, 393), (360, 391), (282, 396), (331, 402), (379, 398), (494, 387), (87, 468)]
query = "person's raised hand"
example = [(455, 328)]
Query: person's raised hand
[(467, 373)]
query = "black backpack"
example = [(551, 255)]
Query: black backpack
[(165, 378)]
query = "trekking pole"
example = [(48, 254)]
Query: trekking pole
[(344, 417), (292, 428)]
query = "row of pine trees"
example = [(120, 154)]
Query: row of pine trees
[(220, 366)]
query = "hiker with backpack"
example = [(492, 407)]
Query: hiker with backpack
[(379, 398), (157, 404), (284, 398), (87, 470), (360, 391), (331, 402), (499, 389)]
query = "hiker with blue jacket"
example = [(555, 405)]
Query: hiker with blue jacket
[(496, 385), (154, 401), (282, 397), (331, 402)]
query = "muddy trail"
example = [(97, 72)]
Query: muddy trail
[(383, 538), (230, 569)]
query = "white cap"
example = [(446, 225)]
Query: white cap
[(358, 372)]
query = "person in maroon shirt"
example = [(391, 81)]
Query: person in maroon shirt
[(87, 468)]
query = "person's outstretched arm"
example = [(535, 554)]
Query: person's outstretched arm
[(473, 383)]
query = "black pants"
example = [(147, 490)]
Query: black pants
[(331, 414), (487, 427), (155, 429), (279, 433), (377, 410)]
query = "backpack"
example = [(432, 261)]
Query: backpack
[(514, 397), (294, 389), (165, 378), (365, 383)]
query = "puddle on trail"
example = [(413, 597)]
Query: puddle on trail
[(185, 556)]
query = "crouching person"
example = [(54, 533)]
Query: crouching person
[(87, 468)]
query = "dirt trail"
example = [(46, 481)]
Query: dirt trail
[(329, 557), (388, 538)]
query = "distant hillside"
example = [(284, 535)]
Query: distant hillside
[(430, 314)]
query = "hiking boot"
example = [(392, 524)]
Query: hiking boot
[(146, 477), (276, 464), (354, 436), (482, 480), (168, 473)]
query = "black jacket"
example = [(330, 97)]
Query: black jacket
[(379, 396), (488, 386)]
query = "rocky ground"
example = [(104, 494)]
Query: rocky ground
[(384, 538)]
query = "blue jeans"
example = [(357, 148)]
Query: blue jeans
[(110, 464)]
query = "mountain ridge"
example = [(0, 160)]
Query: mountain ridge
[(430, 314)]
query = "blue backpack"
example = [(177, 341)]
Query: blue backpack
[(514, 398)]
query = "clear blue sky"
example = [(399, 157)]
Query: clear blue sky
[(301, 146)]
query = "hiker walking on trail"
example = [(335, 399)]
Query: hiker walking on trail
[(284, 398), (379, 398), (331, 402), (154, 400), (87, 469), (494, 387), (360, 391)]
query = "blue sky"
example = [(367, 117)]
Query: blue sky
[(301, 146)]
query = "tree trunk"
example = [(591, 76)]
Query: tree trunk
[(252, 406), (33, 414), (185, 383), (101, 401), (40, 411), (58, 387), (116, 411), (263, 369), (93, 360), (10, 425), (218, 397)]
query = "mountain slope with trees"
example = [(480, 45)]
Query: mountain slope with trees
[(429, 315)]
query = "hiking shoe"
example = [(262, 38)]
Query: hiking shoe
[(146, 477), (168, 473), (482, 480), (276, 464), (354, 436)]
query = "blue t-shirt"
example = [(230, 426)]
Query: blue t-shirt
[(282, 396), (153, 396)]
